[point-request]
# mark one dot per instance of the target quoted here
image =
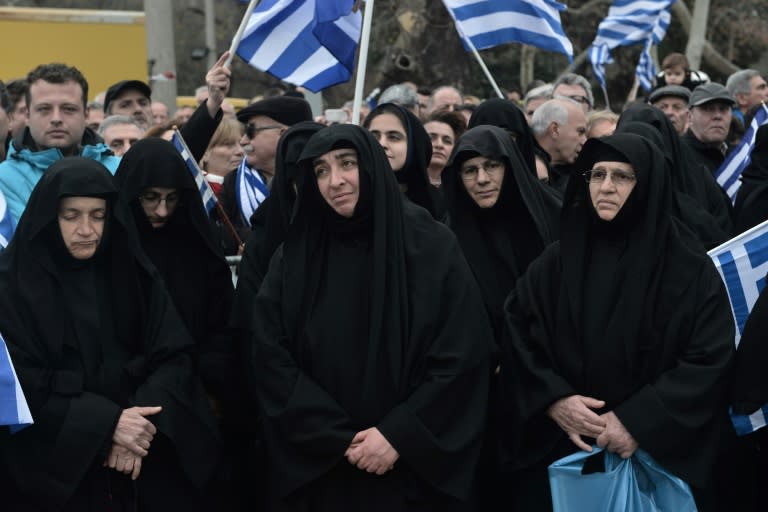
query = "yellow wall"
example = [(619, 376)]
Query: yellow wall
[(106, 46)]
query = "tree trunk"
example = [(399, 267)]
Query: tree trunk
[(697, 34), (527, 60)]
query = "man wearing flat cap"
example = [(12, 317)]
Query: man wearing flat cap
[(673, 101), (709, 121), (133, 98), (246, 188)]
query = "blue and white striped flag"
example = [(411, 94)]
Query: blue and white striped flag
[(206, 192), (743, 264), (7, 225), (729, 172), (250, 189), (646, 69), (14, 410), (628, 22), (489, 23), (311, 43)]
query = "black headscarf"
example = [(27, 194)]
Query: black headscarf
[(414, 172), (701, 222), (629, 311), (184, 250), (349, 333), (499, 242), (270, 221), (687, 177), (505, 114), (90, 338), (751, 206)]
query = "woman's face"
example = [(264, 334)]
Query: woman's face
[(81, 221), (442, 139), (390, 133), (610, 185), (223, 158)]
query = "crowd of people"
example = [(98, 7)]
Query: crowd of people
[(429, 306)]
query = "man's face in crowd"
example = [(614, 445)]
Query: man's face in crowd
[(758, 93), (710, 122), (120, 137), (445, 99), (56, 114), (133, 103), (573, 92), (571, 136), (676, 109), (260, 142)]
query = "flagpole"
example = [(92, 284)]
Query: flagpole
[(239, 34), (219, 208), (477, 55), (365, 37)]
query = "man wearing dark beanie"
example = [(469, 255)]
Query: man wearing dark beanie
[(246, 188)]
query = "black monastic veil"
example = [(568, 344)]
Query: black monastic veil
[(90, 338), (499, 242), (630, 311), (373, 320)]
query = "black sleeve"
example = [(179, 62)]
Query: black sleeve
[(198, 130)]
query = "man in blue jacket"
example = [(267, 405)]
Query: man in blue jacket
[(57, 98)]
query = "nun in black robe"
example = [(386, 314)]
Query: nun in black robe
[(687, 177), (372, 320), (499, 243), (193, 268), (89, 339), (630, 312), (413, 177)]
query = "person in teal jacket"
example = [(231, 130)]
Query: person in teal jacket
[(57, 98)]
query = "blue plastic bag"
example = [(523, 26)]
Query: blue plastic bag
[(637, 484)]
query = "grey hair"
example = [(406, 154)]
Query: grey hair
[(553, 111), (739, 82), (117, 120), (399, 94), (537, 93), (431, 100), (574, 79)]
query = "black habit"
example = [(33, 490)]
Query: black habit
[(373, 320), (630, 311), (90, 338)]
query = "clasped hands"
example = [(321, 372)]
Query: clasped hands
[(371, 452), (131, 440), (575, 416)]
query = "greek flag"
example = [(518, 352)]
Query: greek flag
[(7, 226), (251, 190), (728, 174), (206, 192), (629, 22), (488, 23), (311, 43), (646, 69), (743, 264), (14, 410)]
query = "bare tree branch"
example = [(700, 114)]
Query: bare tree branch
[(711, 55)]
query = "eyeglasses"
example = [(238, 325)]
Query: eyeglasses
[(251, 129), (153, 200), (576, 97), (491, 168), (617, 177)]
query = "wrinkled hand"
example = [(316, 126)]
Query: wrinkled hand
[(371, 452), (124, 460), (574, 415), (217, 80), (616, 438), (134, 432)]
